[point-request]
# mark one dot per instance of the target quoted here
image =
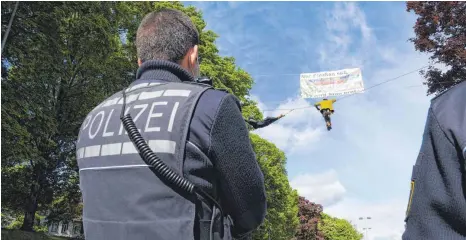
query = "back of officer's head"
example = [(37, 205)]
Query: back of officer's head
[(169, 35)]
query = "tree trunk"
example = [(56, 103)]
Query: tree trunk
[(30, 209)]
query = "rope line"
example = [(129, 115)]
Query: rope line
[(371, 87), (420, 85), (387, 81)]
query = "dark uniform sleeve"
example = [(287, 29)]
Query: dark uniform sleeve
[(241, 180), (268, 120), (260, 124), (254, 124), (437, 202)]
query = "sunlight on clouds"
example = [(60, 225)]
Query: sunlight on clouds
[(323, 188)]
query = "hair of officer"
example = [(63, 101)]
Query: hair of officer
[(166, 34)]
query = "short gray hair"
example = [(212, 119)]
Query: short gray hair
[(166, 34)]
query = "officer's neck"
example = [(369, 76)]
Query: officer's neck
[(163, 70)]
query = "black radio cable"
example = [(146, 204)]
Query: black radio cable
[(153, 160)]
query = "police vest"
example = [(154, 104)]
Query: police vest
[(123, 198)]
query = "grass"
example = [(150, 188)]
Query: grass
[(22, 235)]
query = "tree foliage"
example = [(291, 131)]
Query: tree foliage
[(441, 30), (61, 59), (338, 229), (309, 218), (282, 201)]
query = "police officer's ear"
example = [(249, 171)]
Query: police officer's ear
[(139, 62), (192, 56), (189, 60)]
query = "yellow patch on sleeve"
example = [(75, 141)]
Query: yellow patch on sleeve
[(410, 197)]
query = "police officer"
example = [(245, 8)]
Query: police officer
[(197, 131), (437, 202)]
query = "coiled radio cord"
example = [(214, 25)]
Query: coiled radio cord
[(153, 160)]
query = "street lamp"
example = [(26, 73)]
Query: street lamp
[(366, 228)]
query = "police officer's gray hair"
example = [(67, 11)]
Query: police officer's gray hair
[(166, 34)]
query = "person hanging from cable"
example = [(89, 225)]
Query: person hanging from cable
[(326, 108), (264, 123)]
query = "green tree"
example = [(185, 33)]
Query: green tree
[(338, 229), (222, 70), (62, 58), (282, 201)]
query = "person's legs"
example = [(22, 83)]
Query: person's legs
[(324, 113), (327, 113), (330, 112)]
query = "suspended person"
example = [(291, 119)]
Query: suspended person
[(326, 108), (264, 123), (436, 207), (197, 131)]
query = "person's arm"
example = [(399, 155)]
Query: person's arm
[(269, 120), (437, 202), (264, 123), (334, 100), (254, 124), (317, 106), (241, 180)]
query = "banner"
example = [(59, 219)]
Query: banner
[(333, 83)]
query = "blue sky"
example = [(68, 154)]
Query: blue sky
[(363, 166)]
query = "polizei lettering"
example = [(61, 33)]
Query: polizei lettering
[(153, 112), (145, 116)]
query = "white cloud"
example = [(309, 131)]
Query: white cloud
[(297, 130), (387, 217), (341, 22), (346, 15), (323, 188)]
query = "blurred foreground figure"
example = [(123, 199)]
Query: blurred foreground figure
[(437, 202), (197, 131)]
